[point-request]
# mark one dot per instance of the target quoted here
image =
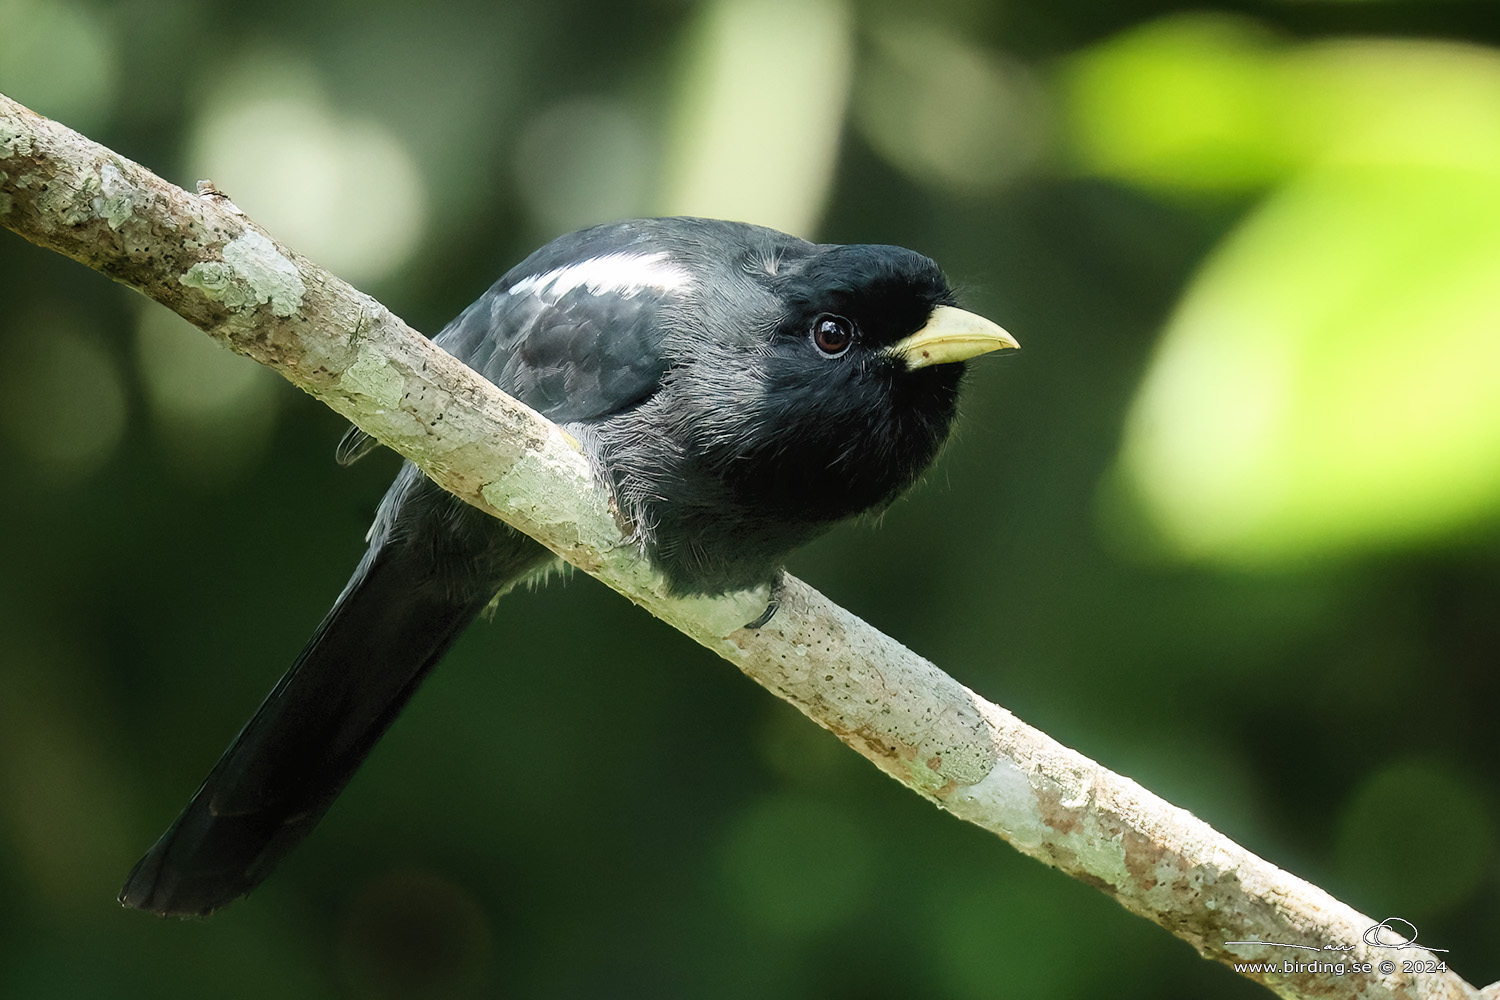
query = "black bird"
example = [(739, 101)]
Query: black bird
[(739, 390)]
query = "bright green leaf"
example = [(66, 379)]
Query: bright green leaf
[(1331, 381)]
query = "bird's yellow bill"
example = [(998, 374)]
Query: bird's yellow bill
[(951, 335)]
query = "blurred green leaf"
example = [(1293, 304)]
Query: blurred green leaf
[(1331, 381), (1184, 105), (1203, 102)]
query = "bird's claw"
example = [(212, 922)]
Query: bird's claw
[(772, 606)]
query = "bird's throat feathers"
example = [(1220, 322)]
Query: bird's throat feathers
[(732, 465)]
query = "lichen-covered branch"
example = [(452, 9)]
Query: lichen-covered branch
[(199, 256)]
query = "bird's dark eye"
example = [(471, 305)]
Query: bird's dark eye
[(832, 334)]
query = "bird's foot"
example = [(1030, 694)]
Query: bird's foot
[(773, 605)]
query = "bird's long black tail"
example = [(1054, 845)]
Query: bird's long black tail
[(397, 616)]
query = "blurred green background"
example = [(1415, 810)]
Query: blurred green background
[(1228, 523)]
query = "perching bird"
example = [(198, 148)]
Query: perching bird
[(739, 390)]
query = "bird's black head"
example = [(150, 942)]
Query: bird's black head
[(870, 297), (849, 414), (806, 386)]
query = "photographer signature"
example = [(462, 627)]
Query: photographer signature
[(1404, 933)]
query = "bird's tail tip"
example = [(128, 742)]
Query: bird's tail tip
[(151, 887)]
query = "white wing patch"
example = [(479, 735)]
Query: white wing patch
[(624, 273)]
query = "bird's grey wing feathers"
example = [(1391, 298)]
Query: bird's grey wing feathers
[(574, 331), (571, 355)]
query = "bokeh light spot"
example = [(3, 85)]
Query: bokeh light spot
[(56, 57), (761, 76), (797, 865), (584, 161), (214, 410), (62, 401), (340, 189), (947, 112), (1415, 839), (61, 814)]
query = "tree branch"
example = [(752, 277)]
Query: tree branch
[(201, 257)]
